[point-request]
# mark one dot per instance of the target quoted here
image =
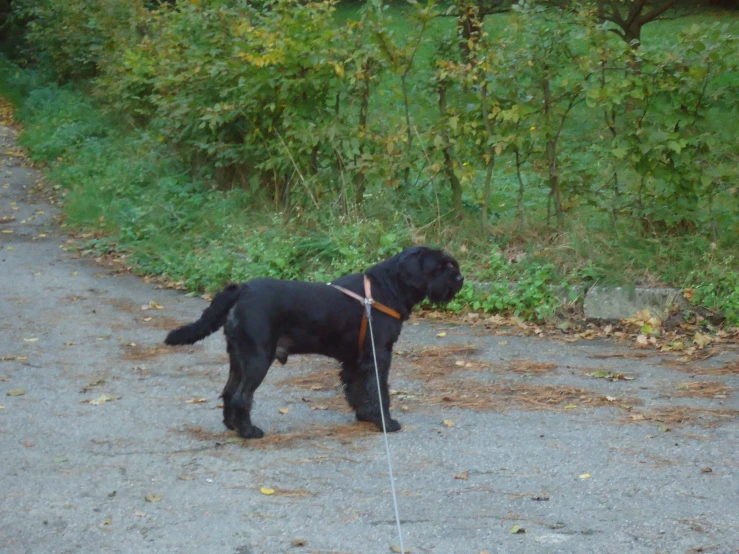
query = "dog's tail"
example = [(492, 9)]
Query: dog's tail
[(213, 318)]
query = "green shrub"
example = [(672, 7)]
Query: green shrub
[(716, 286), (75, 37)]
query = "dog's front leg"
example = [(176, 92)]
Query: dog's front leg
[(360, 388)]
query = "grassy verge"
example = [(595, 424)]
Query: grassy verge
[(128, 193)]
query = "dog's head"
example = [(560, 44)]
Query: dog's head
[(430, 273)]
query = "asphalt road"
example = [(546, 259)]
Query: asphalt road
[(111, 442)]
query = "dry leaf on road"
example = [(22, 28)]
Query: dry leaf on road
[(102, 399)]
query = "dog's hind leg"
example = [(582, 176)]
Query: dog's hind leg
[(253, 368), (360, 389), (234, 378)]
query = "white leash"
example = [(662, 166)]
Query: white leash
[(368, 307)]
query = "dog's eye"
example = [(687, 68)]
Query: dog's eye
[(450, 265)]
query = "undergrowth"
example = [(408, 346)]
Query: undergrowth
[(126, 192)]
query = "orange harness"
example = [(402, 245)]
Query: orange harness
[(367, 301)]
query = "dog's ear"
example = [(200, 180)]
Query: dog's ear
[(411, 268)]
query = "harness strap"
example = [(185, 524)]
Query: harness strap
[(368, 297)]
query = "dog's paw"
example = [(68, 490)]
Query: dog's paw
[(250, 431), (391, 425)]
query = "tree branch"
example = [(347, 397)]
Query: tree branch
[(656, 12)]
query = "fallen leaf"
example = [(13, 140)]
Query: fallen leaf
[(610, 398), (267, 491), (676, 345), (570, 407), (448, 423), (706, 470), (440, 335), (517, 530), (102, 399), (702, 340), (153, 497), (107, 522), (585, 476), (16, 392), (663, 429), (397, 549), (283, 410), (2, 407), (30, 340), (503, 343), (137, 513), (319, 407), (642, 340), (298, 542), (195, 401), (462, 476), (540, 498)]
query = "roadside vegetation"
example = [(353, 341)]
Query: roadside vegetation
[(215, 140)]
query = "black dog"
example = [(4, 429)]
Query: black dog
[(268, 319)]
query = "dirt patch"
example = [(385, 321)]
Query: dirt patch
[(683, 415), (72, 298), (527, 367), (446, 351), (475, 395), (336, 403), (161, 322), (346, 433), (439, 361), (729, 368), (136, 353), (703, 389), (624, 355), (320, 382), (323, 379), (124, 305)]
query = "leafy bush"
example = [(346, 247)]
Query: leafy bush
[(716, 286), (76, 37), (248, 130), (525, 292)]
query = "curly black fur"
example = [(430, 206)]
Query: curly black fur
[(268, 319)]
